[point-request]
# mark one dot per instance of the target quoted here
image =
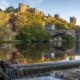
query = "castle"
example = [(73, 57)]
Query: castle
[(26, 8)]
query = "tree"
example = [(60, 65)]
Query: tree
[(9, 9), (5, 33), (1, 10), (33, 33), (4, 17), (21, 20)]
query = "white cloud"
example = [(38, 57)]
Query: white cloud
[(4, 4), (35, 2)]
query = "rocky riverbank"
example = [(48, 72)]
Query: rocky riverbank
[(69, 74)]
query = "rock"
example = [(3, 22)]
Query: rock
[(70, 74), (3, 66), (3, 75)]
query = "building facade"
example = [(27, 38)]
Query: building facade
[(49, 27)]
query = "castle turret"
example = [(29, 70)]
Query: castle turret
[(23, 7), (56, 16), (73, 20)]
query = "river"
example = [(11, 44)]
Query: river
[(40, 53)]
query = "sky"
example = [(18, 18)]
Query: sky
[(66, 8)]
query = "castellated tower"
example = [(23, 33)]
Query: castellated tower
[(23, 7), (73, 20), (56, 16)]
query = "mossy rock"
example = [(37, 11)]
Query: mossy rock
[(3, 76)]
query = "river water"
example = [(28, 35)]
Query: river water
[(39, 53)]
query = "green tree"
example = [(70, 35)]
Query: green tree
[(5, 33), (9, 9), (1, 10), (33, 34)]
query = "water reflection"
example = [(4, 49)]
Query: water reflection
[(5, 53), (40, 52)]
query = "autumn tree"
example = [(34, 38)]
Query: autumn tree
[(21, 20), (4, 17)]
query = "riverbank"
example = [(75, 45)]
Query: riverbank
[(68, 74), (12, 41)]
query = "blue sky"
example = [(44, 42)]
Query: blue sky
[(66, 8)]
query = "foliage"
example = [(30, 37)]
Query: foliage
[(67, 45), (33, 34), (69, 41), (5, 53), (67, 37), (61, 23), (4, 17), (21, 20), (5, 33), (27, 19), (31, 28), (1, 10), (33, 50), (9, 9)]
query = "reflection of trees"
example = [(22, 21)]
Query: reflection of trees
[(57, 57), (64, 45), (68, 45), (29, 53), (33, 52), (5, 53)]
